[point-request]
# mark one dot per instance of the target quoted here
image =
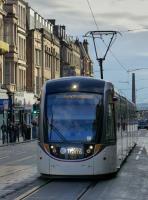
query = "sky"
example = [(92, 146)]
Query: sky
[(130, 49)]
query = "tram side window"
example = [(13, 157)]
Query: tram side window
[(110, 126)]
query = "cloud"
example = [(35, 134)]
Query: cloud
[(120, 14), (130, 49)]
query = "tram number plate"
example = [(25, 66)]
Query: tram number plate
[(74, 151)]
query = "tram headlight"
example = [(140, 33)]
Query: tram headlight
[(89, 149), (50, 148), (54, 150), (74, 87), (93, 149)]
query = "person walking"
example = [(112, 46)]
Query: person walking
[(13, 133), (4, 130), (10, 132), (24, 131), (16, 130)]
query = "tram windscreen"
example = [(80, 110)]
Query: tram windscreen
[(71, 117)]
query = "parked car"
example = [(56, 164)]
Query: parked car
[(143, 124)]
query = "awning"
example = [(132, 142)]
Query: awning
[(4, 47)]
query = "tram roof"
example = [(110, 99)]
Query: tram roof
[(77, 83)]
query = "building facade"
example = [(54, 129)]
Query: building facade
[(4, 47), (74, 55), (43, 55), (15, 33), (69, 52), (86, 62)]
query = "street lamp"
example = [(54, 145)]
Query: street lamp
[(133, 80), (141, 88), (137, 69)]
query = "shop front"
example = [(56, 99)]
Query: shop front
[(23, 112), (3, 108)]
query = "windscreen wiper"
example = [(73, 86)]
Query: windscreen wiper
[(53, 127)]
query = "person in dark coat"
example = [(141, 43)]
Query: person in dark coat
[(16, 130), (10, 132), (24, 131), (4, 132)]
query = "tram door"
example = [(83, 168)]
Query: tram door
[(119, 132)]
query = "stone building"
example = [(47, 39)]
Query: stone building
[(43, 55), (86, 62), (15, 34), (4, 48), (69, 52), (74, 55)]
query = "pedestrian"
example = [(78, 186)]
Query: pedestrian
[(10, 132), (13, 133), (16, 131), (24, 131), (4, 134)]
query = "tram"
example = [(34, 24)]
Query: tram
[(85, 129)]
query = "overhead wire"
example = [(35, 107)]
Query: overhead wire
[(93, 16), (133, 30)]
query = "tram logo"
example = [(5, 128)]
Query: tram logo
[(63, 150), (71, 151), (74, 151)]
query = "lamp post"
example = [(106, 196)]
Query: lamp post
[(133, 81), (133, 88), (137, 69)]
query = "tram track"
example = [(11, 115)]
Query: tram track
[(27, 193), (90, 186), (30, 192)]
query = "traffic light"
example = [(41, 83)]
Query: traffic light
[(9, 115), (36, 108)]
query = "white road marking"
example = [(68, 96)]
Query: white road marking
[(4, 157), (141, 149), (137, 157), (20, 153), (26, 158), (139, 153), (27, 193)]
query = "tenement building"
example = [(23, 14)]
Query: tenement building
[(74, 55), (43, 55), (4, 49), (86, 62), (69, 52), (16, 59), (15, 32)]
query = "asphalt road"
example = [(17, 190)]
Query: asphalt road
[(19, 178)]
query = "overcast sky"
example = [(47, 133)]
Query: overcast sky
[(130, 49)]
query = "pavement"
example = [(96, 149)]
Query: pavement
[(21, 140)]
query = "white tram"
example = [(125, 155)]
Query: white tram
[(85, 128)]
